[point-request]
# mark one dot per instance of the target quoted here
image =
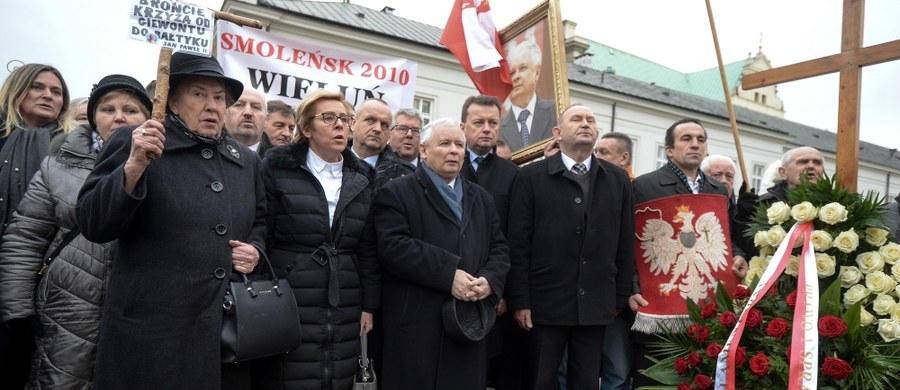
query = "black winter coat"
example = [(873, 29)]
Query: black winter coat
[(421, 245), (573, 258), (496, 175), (333, 272), (162, 320)]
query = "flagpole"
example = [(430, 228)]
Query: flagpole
[(734, 129)]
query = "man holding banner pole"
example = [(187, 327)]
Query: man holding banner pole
[(672, 258)]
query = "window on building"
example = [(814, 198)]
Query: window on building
[(763, 99), (661, 158), (756, 97), (756, 179), (426, 108)]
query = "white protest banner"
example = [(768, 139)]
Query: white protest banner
[(287, 69), (180, 26)]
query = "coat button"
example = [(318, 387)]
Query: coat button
[(221, 229), (583, 260), (219, 273), (580, 291), (216, 186), (578, 230), (207, 153), (577, 200)]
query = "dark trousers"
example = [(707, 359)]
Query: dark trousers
[(16, 347), (507, 365), (640, 342), (547, 344)]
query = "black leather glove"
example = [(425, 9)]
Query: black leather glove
[(746, 203)]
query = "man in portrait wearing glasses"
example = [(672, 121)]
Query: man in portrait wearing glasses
[(370, 140), (481, 125), (405, 136)]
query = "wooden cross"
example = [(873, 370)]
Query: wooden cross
[(849, 63)]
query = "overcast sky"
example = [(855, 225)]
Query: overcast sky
[(86, 39)]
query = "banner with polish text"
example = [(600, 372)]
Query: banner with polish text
[(287, 70), (180, 26)]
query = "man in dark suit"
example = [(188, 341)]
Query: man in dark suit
[(481, 124), (440, 243), (370, 141), (685, 144), (572, 248), (529, 120)]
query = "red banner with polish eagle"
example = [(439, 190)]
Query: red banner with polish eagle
[(683, 250)]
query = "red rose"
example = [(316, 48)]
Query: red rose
[(728, 319), (698, 332), (777, 328), (754, 318), (759, 364), (740, 292), (684, 386), (709, 310), (791, 299), (836, 368), (694, 359), (681, 366), (713, 349), (773, 291), (831, 326), (740, 357), (703, 382)]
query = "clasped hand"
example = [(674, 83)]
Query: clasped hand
[(469, 288)]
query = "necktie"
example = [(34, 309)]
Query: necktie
[(477, 163), (523, 126), (579, 169)]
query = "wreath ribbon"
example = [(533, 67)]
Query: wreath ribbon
[(804, 359)]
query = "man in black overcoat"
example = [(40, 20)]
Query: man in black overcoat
[(439, 240), (685, 145), (572, 247), (481, 123)]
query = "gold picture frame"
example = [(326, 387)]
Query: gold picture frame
[(543, 24)]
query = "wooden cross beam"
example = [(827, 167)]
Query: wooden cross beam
[(849, 63)]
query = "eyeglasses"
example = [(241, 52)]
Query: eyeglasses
[(331, 118), (405, 129)]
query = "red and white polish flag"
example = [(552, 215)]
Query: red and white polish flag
[(472, 37)]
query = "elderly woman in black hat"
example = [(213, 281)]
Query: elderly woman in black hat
[(69, 295), (187, 206)]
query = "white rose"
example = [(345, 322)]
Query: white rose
[(878, 282), (895, 312), (846, 241), (889, 330), (833, 213), (758, 263), (876, 236), (793, 266), (850, 276), (865, 318), (778, 212), (855, 294), (895, 272), (751, 273), (804, 212), (775, 235), (890, 252), (821, 240), (825, 265), (870, 262), (883, 304), (760, 239)]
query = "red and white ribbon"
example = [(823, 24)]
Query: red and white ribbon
[(804, 359)]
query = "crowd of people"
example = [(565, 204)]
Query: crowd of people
[(120, 234)]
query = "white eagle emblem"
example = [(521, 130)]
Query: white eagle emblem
[(690, 257)]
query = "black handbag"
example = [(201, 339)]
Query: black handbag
[(260, 317), (365, 374)]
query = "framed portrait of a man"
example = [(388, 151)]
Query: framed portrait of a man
[(534, 48)]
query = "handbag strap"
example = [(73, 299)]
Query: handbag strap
[(364, 355), (65, 241)]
